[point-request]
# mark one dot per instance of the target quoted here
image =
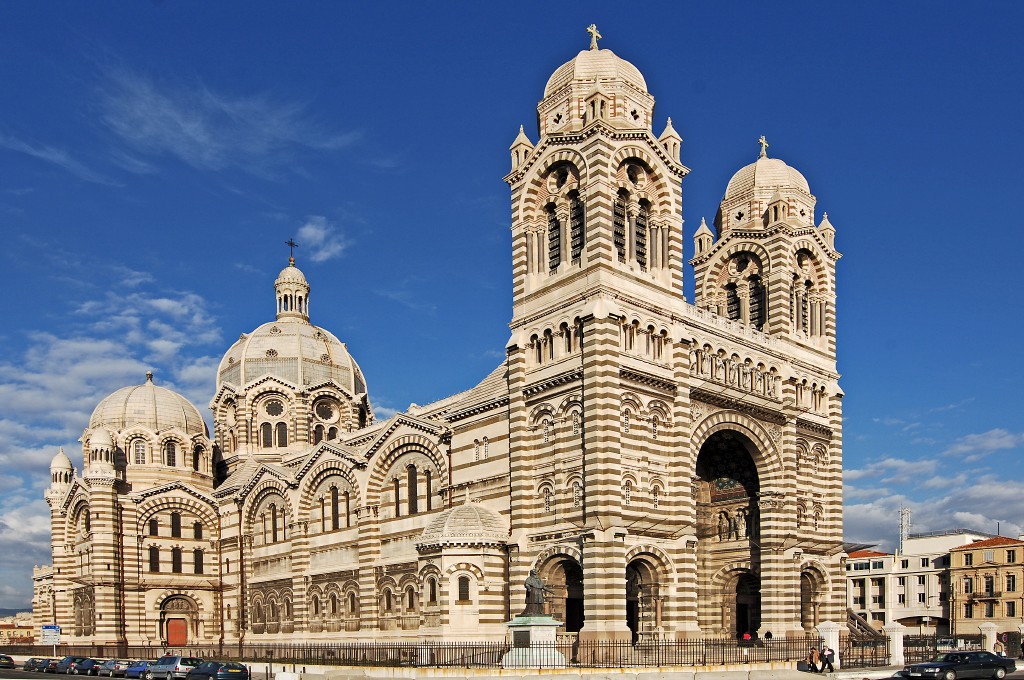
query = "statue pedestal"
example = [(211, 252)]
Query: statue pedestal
[(533, 643)]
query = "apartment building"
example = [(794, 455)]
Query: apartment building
[(988, 585)]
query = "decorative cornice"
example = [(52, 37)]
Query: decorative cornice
[(813, 428), (174, 486), (724, 401), (552, 382), (322, 448), (430, 427), (653, 381), (479, 408)]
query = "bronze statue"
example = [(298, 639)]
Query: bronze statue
[(536, 593)]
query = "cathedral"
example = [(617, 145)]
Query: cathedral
[(670, 468)]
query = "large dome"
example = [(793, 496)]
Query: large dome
[(468, 523), (767, 174), (592, 66), (293, 350), (149, 406)]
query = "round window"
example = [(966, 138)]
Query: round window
[(325, 410), (274, 407)]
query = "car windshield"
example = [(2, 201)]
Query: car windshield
[(189, 661), (949, 658)]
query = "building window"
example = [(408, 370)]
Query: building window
[(431, 591), (625, 421), (266, 435), (197, 560), (487, 447), (925, 562), (1011, 556), (335, 519), (990, 584), (463, 589), (901, 598), (968, 559), (655, 495), (282, 435), (877, 565), (920, 580), (414, 489), (902, 580), (575, 423), (577, 494), (1011, 609), (175, 525), (627, 492), (921, 598), (968, 584), (654, 427), (476, 449), (176, 560), (197, 531), (547, 500), (139, 446), (547, 431), (397, 487), (904, 564), (352, 608), (170, 454), (1011, 583), (990, 610), (154, 559), (154, 527), (388, 605), (968, 611), (554, 240), (576, 227), (429, 489), (861, 566)]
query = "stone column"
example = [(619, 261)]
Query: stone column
[(829, 632), (895, 632), (988, 636)]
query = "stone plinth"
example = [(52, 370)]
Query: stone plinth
[(533, 643)]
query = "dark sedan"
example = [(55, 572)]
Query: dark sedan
[(88, 667), (137, 669), (953, 665), (219, 670), (7, 662), (35, 663)]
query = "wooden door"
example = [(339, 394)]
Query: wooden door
[(177, 632)]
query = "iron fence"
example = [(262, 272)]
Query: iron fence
[(577, 653), (921, 648), (864, 652)]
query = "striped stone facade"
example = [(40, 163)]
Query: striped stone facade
[(670, 469)]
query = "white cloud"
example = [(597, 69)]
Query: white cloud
[(321, 239), (57, 157), (975, 446), (207, 129), (892, 471)]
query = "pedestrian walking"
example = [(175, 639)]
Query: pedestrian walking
[(828, 657)]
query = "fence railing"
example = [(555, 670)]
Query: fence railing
[(578, 653), (863, 653), (921, 648)]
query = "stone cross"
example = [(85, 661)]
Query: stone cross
[(594, 36), (764, 146)]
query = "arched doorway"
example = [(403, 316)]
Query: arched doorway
[(726, 487), (564, 576), (178, 614), (643, 614), (811, 587)]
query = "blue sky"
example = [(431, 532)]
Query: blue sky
[(154, 157)]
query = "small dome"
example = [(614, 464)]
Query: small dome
[(101, 439), (148, 405), (768, 174), (61, 462), (592, 66), (291, 274), (468, 523)]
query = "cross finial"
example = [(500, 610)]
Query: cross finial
[(594, 35), (764, 146), (292, 245)]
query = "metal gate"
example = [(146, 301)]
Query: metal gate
[(867, 653)]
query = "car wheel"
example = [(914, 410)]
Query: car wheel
[(1000, 673), (149, 675), (170, 676), (949, 675)]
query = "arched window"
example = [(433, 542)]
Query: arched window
[(732, 302), (197, 530), (332, 433), (577, 227), (197, 560), (655, 497), (654, 427), (547, 500), (463, 590), (398, 500), (476, 449), (627, 492), (197, 453), (154, 559), (388, 605), (414, 490), (352, 608), (176, 560), (577, 494), (273, 523), (625, 421), (410, 599), (348, 509), (487, 447), (554, 240), (170, 454), (756, 306), (547, 430), (154, 529), (139, 448), (335, 518), (316, 605), (640, 236), (282, 435), (429, 490), (575, 423), (175, 525), (334, 604), (266, 436), (432, 590), (619, 225), (538, 349), (318, 434)]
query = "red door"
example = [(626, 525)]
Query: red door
[(177, 632)]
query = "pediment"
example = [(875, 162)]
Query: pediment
[(323, 451), (401, 423), (174, 487)]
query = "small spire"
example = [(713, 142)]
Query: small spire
[(764, 147), (594, 35), (149, 376), (703, 228)]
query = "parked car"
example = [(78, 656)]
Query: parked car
[(68, 664), (953, 665), (137, 669), (7, 662), (219, 670), (88, 667), (113, 667), (51, 666), (35, 663), (170, 666)]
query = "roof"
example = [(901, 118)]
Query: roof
[(989, 543), (147, 405), (856, 554), (593, 66), (768, 174)]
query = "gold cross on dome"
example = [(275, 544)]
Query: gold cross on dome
[(594, 35), (764, 146)]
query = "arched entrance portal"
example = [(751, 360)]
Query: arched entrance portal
[(726, 488), (810, 597), (643, 606), (178, 615), (564, 576)]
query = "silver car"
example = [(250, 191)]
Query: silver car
[(170, 667)]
